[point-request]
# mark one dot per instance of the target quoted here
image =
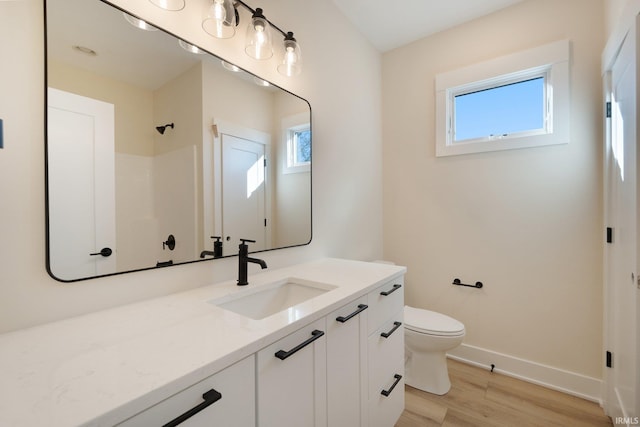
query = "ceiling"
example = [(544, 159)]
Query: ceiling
[(391, 24)]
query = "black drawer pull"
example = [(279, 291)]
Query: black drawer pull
[(281, 354), (386, 393), (386, 293), (396, 325), (361, 308), (209, 397)]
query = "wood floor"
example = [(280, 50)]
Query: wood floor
[(480, 398)]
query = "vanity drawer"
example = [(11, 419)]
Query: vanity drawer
[(386, 372), (233, 406), (384, 302)]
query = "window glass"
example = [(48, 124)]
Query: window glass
[(500, 111), (302, 144)]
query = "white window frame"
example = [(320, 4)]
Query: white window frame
[(550, 61), (291, 125)]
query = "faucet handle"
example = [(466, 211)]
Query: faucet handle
[(245, 241)]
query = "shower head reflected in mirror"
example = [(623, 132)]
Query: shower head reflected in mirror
[(161, 129)]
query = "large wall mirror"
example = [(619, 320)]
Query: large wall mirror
[(159, 153)]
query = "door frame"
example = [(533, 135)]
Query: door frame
[(629, 19)]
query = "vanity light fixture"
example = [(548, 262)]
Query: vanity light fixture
[(220, 18), (261, 82), (189, 47), (161, 129), (229, 66), (291, 64), (169, 4), (258, 42), (138, 23)]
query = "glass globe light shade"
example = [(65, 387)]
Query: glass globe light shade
[(219, 19), (258, 42), (291, 64)]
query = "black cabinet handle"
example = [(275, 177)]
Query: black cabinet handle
[(105, 252), (386, 393), (209, 397), (386, 293), (396, 325), (361, 308), (314, 336)]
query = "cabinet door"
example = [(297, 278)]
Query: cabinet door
[(347, 365), (386, 373), (233, 398), (292, 379)]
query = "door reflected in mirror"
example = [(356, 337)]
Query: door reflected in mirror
[(149, 137)]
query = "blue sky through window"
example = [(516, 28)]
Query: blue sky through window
[(506, 109)]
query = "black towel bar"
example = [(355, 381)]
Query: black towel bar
[(457, 282)]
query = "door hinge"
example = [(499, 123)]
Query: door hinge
[(265, 222), (609, 359), (265, 162), (608, 109), (609, 234)]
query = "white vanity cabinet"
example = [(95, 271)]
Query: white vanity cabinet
[(386, 354), (322, 362), (224, 399), (343, 370), (347, 365), (292, 379)]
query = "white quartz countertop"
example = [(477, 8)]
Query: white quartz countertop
[(101, 368)]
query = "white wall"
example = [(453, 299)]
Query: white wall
[(347, 153), (527, 223), (613, 10), (133, 105), (137, 225)]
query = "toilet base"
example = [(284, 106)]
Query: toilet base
[(427, 371)]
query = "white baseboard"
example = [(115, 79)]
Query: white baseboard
[(547, 376)]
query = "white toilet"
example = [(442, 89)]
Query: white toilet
[(427, 337)]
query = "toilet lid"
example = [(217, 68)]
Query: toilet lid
[(430, 322)]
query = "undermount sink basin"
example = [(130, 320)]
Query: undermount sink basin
[(266, 300)]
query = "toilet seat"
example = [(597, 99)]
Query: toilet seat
[(431, 323)]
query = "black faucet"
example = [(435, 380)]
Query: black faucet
[(244, 260), (205, 253), (217, 248)]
